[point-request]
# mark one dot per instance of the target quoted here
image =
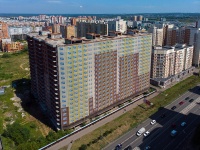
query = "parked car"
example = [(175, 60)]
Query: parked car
[(147, 148), (183, 124), (174, 107), (191, 100), (181, 103), (129, 148), (187, 98), (173, 125), (118, 147), (146, 133), (153, 122), (163, 116)]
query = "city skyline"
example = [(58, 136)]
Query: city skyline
[(100, 7)]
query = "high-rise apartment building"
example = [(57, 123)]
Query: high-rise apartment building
[(78, 78), (189, 35), (3, 30), (157, 36), (55, 28), (91, 27), (68, 31), (117, 25), (196, 56), (168, 62)]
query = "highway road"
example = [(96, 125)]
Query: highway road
[(159, 137)]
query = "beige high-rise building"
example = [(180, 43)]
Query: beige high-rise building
[(68, 31), (56, 28), (196, 56), (168, 61), (157, 36)]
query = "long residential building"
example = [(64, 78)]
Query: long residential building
[(91, 27), (77, 78)]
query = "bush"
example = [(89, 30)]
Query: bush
[(7, 119), (17, 133), (83, 147), (5, 55), (33, 126)]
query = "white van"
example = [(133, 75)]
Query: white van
[(141, 131)]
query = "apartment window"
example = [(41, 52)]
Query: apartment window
[(61, 53), (63, 101), (61, 63)]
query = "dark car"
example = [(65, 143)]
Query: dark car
[(181, 103), (163, 116), (174, 107), (173, 125), (191, 100), (187, 98), (128, 148), (118, 147)]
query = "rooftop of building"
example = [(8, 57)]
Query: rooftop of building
[(56, 39)]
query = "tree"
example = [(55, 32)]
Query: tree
[(18, 133), (28, 146), (83, 147)]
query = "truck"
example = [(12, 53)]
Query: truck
[(173, 133), (142, 130)]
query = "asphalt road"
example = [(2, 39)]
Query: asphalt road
[(159, 137)]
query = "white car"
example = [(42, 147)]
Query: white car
[(146, 133), (153, 122)]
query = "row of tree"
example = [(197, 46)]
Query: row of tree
[(23, 140)]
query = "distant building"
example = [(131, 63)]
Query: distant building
[(96, 27), (117, 25), (157, 36), (68, 31), (56, 28), (189, 35), (139, 18), (196, 56), (3, 30), (12, 47)]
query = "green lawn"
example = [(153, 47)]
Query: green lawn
[(131, 119)]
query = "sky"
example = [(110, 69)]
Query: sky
[(99, 6)]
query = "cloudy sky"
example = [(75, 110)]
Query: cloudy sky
[(98, 6)]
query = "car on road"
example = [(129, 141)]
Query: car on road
[(181, 103), (146, 133), (147, 148), (163, 116), (183, 124), (173, 125), (153, 122), (118, 147), (174, 107), (141, 131), (129, 148), (191, 100), (187, 98), (173, 133)]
